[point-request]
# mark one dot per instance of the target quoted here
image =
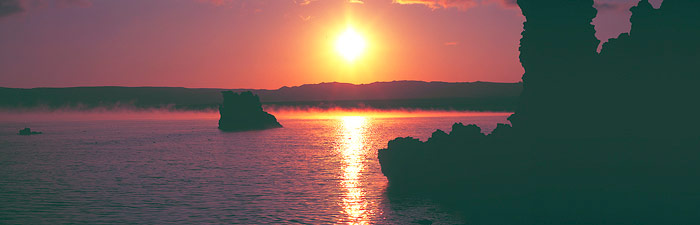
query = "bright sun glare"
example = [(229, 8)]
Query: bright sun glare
[(350, 44)]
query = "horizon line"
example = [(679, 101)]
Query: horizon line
[(285, 86)]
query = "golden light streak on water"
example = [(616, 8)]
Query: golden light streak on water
[(352, 149)]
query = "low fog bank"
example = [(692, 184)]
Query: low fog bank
[(281, 112), (447, 104), (126, 113), (338, 112), (491, 104)]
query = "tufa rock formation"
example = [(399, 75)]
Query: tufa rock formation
[(28, 131), (241, 112), (598, 138), (642, 84), (557, 51)]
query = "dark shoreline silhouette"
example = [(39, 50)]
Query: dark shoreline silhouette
[(598, 138), (243, 112), (473, 96)]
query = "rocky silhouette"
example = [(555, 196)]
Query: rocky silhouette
[(641, 81), (598, 138), (28, 131), (241, 112)]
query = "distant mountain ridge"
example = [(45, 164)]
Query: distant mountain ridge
[(378, 94), (394, 90)]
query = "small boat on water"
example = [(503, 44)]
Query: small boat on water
[(27, 131)]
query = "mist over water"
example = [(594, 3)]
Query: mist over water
[(30, 115), (319, 168)]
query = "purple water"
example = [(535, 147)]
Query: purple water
[(316, 171)]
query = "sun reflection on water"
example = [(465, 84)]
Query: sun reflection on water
[(352, 150)]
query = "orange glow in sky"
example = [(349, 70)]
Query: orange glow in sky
[(267, 44), (260, 44)]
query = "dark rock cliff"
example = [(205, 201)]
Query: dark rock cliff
[(598, 138), (640, 85)]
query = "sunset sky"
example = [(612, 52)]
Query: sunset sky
[(264, 43)]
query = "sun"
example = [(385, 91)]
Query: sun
[(350, 44)]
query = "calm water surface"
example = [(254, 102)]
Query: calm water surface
[(313, 171)]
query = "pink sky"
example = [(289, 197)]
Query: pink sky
[(264, 43)]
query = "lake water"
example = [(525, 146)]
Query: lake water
[(312, 171)]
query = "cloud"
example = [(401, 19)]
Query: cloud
[(602, 5), (9, 7), (458, 4), (307, 2), (437, 4), (452, 43), (305, 18), (303, 2)]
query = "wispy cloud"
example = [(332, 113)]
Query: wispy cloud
[(305, 18), (458, 4), (303, 2), (307, 2), (437, 4)]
